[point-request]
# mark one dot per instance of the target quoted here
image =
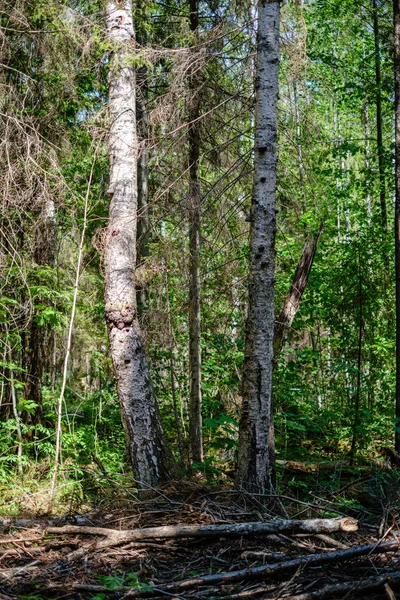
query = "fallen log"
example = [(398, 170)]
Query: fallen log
[(346, 524), (269, 570), (355, 587)]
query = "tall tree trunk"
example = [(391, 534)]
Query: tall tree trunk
[(38, 351), (151, 460), (299, 284), (143, 159), (196, 438), (255, 456), (379, 134), (356, 422), (396, 20)]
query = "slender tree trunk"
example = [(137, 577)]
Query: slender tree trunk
[(151, 460), (396, 19), (298, 146), (143, 228), (299, 284), (359, 357), (15, 413), (367, 158), (379, 135), (196, 438), (172, 374), (255, 456), (38, 351)]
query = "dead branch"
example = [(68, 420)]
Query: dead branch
[(331, 542), (7, 596), (299, 284), (270, 570), (392, 456), (346, 524), (356, 587)]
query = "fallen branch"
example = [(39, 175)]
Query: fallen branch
[(269, 570), (346, 524), (331, 542), (114, 537), (7, 596), (356, 587)]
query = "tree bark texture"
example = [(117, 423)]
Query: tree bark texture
[(149, 455), (396, 23), (143, 160), (299, 284), (45, 255), (255, 455), (196, 438), (343, 524)]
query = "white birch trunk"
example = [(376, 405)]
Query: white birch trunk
[(256, 446), (149, 455)]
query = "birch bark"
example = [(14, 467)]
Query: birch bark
[(256, 447), (143, 159), (151, 460)]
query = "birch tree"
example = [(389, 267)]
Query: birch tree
[(255, 455), (151, 460)]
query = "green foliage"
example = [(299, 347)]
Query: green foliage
[(327, 172), (118, 582)]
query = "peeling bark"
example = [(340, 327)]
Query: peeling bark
[(142, 162), (151, 460), (255, 456), (342, 524), (299, 284)]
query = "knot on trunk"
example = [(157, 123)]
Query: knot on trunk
[(120, 317)]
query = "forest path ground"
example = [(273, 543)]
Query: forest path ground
[(38, 564)]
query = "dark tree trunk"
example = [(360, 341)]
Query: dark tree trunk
[(38, 350), (196, 438), (292, 302), (379, 134), (396, 19), (356, 423), (255, 455)]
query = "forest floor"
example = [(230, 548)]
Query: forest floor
[(44, 557)]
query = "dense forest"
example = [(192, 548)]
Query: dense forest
[(200, 261)]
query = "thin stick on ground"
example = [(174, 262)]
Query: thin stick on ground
[(353, 587), (264, 571), (69, 339)]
